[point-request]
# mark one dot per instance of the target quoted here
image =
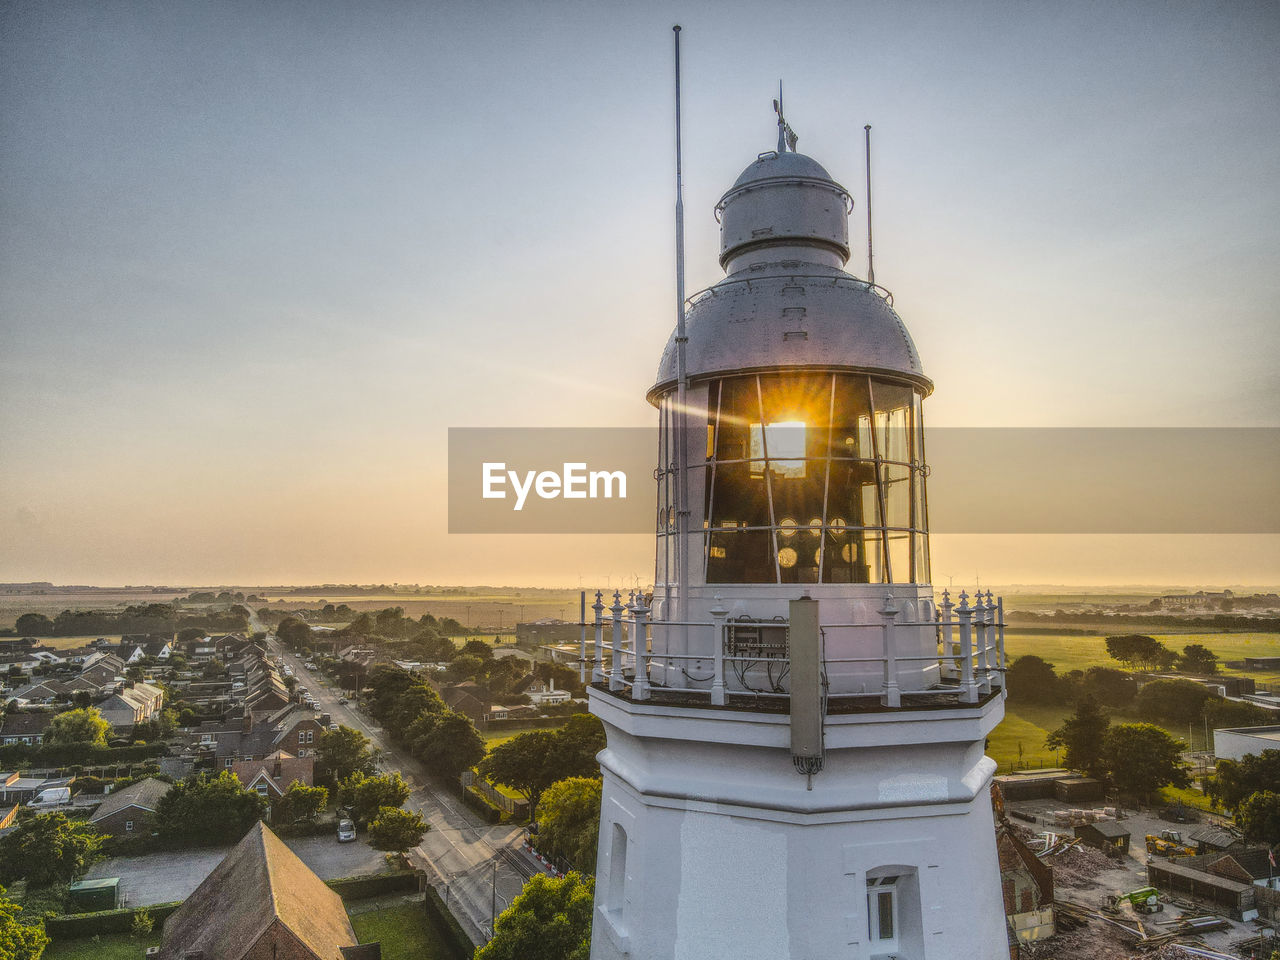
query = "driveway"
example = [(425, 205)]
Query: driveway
[(165, 877)]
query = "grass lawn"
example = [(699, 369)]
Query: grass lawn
[(1081, 652), (1187, 796), (497, 737), (106, 946), (405, 931), (1026, 725)]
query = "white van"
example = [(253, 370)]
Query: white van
[(52, 797)]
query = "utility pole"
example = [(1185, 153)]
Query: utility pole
[(493, 902)]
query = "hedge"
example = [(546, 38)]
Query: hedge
[(481, 805), (70, 754), (73, 926), (374, 885), (457, 937)]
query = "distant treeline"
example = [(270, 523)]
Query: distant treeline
[(1219, 621), (143, 618)]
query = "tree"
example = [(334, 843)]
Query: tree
[(1234, 781), (18, 941), (203, 810), (293, 633), (1140, 652), (1142, 758), (1032, 679), (477, 648), (569, 821), (448, 743), (1259, 817), (1234, 713), (415, 701), (573, 754), (1197, 658), (343, 752), (396, 830), (49, 848), (1111, 687), (84, 726), (522, 764), (1174, 701), (549, 920), (365, 796), (464, 667), (299, 802), (34, 625), (187, 634), (1081, 736)]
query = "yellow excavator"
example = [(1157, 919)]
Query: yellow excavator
[(1169, 844)]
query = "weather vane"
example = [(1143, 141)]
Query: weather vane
[(786, 136)]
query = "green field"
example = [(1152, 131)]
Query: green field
[(1081, 652), (1019, 739), (105, 946), (406, 932)]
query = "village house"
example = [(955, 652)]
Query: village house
[(290, 728), (271, 776), (261, 901), (132, 705), (27, 728), (130, 810)]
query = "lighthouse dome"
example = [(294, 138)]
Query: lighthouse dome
[(784, 198)]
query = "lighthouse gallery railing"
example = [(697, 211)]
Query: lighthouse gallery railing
[(970, 654)]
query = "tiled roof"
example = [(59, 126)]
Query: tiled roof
[(145, 794), (260, 882), (25, 724)]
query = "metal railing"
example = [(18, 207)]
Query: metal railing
[(970, 654)]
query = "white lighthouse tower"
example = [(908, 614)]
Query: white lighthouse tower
[(795, 761)]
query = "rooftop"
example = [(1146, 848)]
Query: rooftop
[(261, 882)]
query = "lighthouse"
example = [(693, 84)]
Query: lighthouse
[(795, 724)]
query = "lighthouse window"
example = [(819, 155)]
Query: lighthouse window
[(814, 478), (882, 912)]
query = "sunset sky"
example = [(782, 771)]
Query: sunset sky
[(256, 259)]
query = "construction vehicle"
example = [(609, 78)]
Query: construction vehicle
[(1168, 844), (1143, 900)]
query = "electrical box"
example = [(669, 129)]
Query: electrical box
[(806, 685)]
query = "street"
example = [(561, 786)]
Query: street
[(476, 867)]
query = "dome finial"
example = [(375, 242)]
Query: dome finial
[(786, 136)]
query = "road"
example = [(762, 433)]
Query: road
[(471, 863)]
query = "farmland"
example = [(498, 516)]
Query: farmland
[(1020, 736)]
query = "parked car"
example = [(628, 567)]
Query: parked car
[(343, 700), (333, 726), (52, 797), (346, 831)]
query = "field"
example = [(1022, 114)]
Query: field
[(1019, 739), (105, 946), (490, 611), (406, 932), (1081, 652)]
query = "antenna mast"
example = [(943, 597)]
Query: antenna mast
[(871, 262), (682, 384)]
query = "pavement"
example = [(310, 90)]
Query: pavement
[(478, 868), (173, 875)]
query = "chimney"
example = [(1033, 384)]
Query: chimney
[(248, 719), (277, 770)]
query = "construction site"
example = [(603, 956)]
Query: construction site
[(1087, 879)]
